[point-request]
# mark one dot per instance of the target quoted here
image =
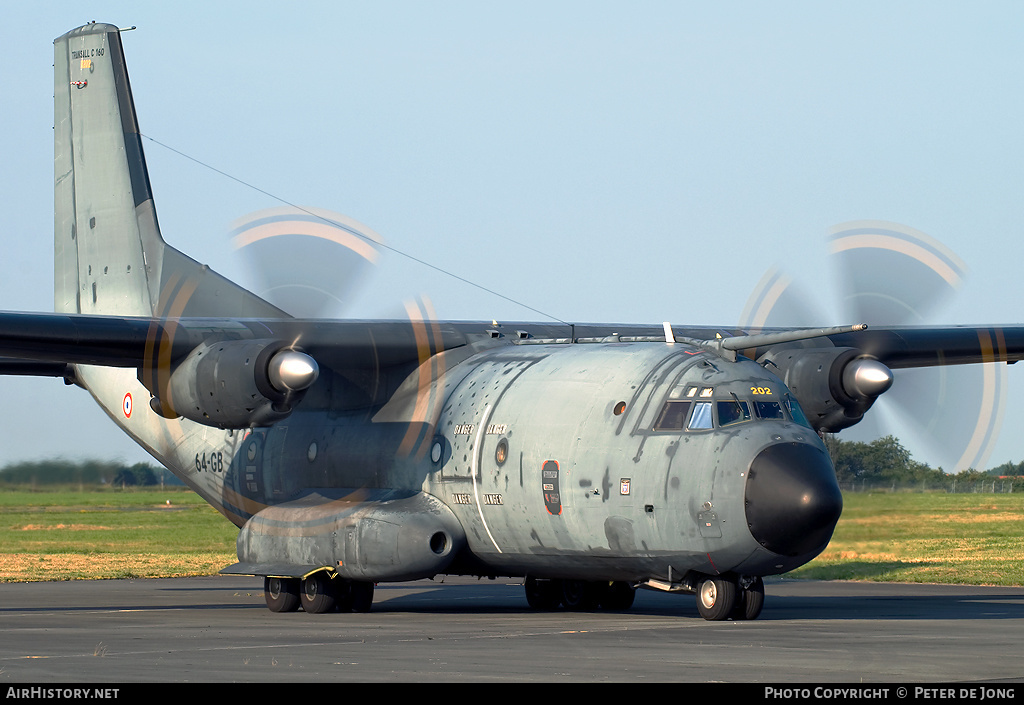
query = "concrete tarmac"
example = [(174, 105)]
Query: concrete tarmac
[(218, 629)]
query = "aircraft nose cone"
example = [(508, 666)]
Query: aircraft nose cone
[(792, 498)]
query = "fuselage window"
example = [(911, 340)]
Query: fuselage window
[(769, 410), (701, 417), (730, 412), (673, 416)]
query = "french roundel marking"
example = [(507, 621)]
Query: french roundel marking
[(127, 405)]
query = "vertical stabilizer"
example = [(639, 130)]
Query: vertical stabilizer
[(109, 257), (103, 207)]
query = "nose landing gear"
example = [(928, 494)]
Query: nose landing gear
[(723, 598), (716, 599), (750, 599)]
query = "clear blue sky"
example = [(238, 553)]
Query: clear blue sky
[(619, 162)]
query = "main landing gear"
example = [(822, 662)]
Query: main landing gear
[(317, 593), (722, 598), (581, 595)]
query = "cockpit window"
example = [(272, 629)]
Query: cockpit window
[(701, 417), (796, 412), (733, 411), (673, 416), (701, 414), (769, 410)]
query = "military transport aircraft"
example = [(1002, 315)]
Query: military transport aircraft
[(588, 459)]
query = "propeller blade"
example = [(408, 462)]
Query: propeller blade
[(888, 274), (309, 262), (949, 414), (778, 302)]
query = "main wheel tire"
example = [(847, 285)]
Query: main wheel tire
[(362, 596), (579, 595), (282, 594), (543, 594), (618, 596), (750, 601), (342, 594), (716, 599), (317, 594)]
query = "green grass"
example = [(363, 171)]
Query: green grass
[(975, 539), (67, 535), (63, 496)]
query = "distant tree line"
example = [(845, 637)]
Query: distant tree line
[(884, 463), (1008, 469), (86, 473)]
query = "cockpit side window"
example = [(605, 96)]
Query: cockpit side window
[(672, 416), (796, 412), (701, 418), (732, 411)]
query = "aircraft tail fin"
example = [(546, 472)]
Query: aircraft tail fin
[(109, 256)]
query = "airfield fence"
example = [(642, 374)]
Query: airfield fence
[(950, 486)]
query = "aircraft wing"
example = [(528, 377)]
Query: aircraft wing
[(32, 368), (27, 339), (111, 341), (923, 346), (72, 339)]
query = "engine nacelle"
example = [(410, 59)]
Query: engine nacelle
[(238, 383), (835, 386)]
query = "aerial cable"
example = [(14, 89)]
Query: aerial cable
[(374, 242)]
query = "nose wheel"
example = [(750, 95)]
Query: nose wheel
[(716, 599), (721, 598), (750, 600)]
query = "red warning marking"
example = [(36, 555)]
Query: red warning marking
[(126, 405)]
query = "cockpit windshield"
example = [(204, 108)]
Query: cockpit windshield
[(694, 415), (701, 417), (733, 411), (769, 410), (672, 416)]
